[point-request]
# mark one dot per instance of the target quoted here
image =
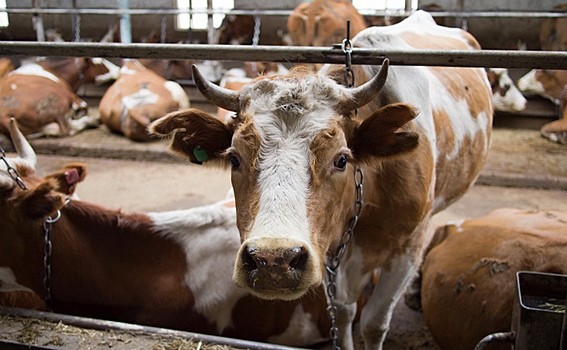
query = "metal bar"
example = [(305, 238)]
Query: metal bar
[(368, 12), (292, 54), (125, 23), (38, 22), (128, 327)]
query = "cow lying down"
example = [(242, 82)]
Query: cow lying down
[(469, 273), (170, 269), (42, 103)]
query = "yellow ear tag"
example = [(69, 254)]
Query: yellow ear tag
[(200, 154)]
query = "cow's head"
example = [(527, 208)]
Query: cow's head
[(505, 95), (545, 82), (22, 211), (292, 147), (43, 196)]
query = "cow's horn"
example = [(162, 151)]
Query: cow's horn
[(224, 98), (23, 147), (363, 94)]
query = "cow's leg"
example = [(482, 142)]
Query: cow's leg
[(377, 313)]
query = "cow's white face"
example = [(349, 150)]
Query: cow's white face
[(289, 143), (292, 147)]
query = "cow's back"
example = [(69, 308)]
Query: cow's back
[(469, 278), (35, 101), (454, 104)]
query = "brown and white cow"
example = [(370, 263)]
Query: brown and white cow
[(420, 139), (78, 70), (505, 95), (42, 103), (469, 273), (323, 22), (168, 269), (138, 97), (551, 84)]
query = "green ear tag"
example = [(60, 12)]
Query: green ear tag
[(200, 154)]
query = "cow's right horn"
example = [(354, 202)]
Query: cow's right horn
[(23, 147), (219, 96)]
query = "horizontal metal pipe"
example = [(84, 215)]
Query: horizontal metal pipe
[(128, 327), (368, 12), (291, 54)]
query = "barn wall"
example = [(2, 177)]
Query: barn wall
[(501, 33), (496, 33)]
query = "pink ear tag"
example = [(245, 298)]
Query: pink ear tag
[(72, 176)]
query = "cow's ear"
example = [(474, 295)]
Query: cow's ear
[(377, 135), (195, 134), (40, 201), (66, 180)]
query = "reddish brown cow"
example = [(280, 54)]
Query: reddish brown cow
[(169, 269), (469, 274), (42, 103), (323, 22), (297, 150), (551, 84), (138, 97)]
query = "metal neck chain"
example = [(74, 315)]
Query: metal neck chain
[(163, 38), (48, 248), (12, 171), (346, 237), (255, 41), (335, 259)]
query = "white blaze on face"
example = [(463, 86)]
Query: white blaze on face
[(529, 83), (513, 100), (287, 116)]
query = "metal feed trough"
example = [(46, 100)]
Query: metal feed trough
[(539, 320)]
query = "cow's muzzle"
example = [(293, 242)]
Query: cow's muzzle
[(276, 271)]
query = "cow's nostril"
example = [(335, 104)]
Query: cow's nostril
[(248, 259), (297, 258)]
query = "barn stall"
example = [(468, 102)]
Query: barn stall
[(496, 58)]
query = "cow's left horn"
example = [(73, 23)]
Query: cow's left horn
[(23, 147), (224, 98), (363, 94)]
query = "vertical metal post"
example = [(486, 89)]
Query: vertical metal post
[(37, 21), (210, 27), (125, 23), (408, 7), (461, 21)]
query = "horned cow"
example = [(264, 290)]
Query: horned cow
[(420, 138)]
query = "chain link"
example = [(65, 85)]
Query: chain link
[(255, 41), (163, 38), (335, 259), (12, 171), (48, 249)]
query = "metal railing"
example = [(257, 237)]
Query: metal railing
[(291, 54)]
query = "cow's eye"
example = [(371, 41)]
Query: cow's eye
[(234, 161), (341, 162)]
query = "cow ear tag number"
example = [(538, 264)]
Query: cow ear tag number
[(200, 154)]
